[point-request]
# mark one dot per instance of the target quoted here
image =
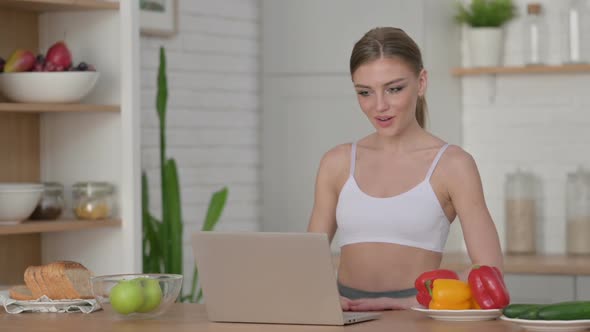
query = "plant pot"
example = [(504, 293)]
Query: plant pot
[(485, 46)]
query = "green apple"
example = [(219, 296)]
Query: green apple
[(126, 297), (152, 295)]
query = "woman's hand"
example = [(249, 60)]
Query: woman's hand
[(382, 303), (345, 303)]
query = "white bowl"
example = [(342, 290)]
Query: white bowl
[(18, 201), (47, 87)]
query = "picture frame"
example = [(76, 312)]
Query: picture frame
[(158, 17)]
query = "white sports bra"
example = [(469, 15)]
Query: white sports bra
[(413, 218)]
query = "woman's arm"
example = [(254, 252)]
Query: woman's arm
[(332, 167), (466, 192)]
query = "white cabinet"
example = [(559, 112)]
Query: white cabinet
[(583, 288), (529, 288)]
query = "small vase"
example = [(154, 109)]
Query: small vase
[(485, 46)]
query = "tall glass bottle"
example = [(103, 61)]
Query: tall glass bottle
[(578, 212), (535, 36), (575, 22), (520, 213)]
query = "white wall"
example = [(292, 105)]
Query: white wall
[(213, 112), (309, 103), (537, 122)]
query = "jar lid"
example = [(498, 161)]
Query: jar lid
[(53, 187), (534, 8), (93, 187)]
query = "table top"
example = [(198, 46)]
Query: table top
[(192, 317)]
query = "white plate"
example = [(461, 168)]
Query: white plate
[(550, 325), (461, 315)]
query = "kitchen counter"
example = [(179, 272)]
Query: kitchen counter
[(522, 264), (192, 317), (528, 264)]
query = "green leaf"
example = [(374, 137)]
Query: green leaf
[(172, 191), (144, 215), (191, 296), (162, 95), (214, 210), (200, 295), (161, 101), (150, 241), (485, 13), (153, 263), (216, 205)]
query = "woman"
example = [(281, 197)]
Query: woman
[(394, 193)]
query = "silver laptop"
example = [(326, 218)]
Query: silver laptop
[(262, 277)]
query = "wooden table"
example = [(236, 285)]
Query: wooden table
[(192, 317)]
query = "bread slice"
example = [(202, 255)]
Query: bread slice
[(32, 282), (53, 281), (59, 281), (37, 273), (21, 293)]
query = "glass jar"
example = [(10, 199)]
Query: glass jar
[(92, 200), (520, 213), (51, 204), (535, 36), (575, 26), (578, 212)]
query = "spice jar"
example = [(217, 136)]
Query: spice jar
[(520, 213), (535, 35), (578, 212), (92, 200), (51, 204)]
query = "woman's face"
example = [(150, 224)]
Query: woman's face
[(387, 90)]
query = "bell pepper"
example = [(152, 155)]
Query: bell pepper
[(474, 304), (424, 281), (450, 294), (488, 287)]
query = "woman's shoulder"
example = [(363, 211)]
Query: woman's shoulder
[(458, 161), (338, 156), (457, 154)]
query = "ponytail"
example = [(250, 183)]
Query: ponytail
[(421, 111)]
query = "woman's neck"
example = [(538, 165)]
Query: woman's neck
[(407, 140)]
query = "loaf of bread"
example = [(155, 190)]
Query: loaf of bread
[(58, 280), (21, 293)]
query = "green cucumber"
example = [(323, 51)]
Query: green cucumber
[(517, 309), (570, 310), (531, 313)]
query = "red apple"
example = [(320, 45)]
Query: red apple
[(59, 55)]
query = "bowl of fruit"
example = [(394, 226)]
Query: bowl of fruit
[(136, 296), (49, 78)]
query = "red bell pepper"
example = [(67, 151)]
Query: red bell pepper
[(424, 284), (488, 287)]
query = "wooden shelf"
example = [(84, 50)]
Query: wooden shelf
[(44, 108), (28, 227), (577, 68), (59, 5)]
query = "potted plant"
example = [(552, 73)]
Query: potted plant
[(162, 240), (485, 19)]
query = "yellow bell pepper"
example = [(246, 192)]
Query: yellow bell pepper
[(450, 294), (474, 304)]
